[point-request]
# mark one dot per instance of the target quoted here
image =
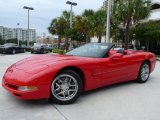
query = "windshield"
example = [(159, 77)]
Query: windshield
[(38, 45), (10, 44), (91, 50)]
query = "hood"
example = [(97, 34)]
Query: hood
[(39, 63)]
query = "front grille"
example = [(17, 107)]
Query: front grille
[(2, 49), (11, 86)]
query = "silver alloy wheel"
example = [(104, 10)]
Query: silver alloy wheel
[(145, 72), (64, 87), (13, 51)]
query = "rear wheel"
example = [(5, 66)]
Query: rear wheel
[(66, 87), (144, 72), (44, 52)]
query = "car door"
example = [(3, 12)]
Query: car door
[(16, 48), (19, 49), (116, 70)]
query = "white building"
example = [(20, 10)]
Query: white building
[(18, 33), (105, 4)]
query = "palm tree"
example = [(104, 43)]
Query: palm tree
[(130, 12), (95, 23), (99, 24), (88, 18), (80, 26), (59, 25)]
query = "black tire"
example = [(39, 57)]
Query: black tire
[(143, 75), (62, 92), (44, 52)]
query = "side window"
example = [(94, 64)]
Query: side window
[(121, 51)]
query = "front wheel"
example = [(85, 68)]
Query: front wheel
[(13, 51), (24, 50), (144, 72), (66, 87)]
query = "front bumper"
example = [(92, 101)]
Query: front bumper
[(4, 50), (37, 51), (42, 91)]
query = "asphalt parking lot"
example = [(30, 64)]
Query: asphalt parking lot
[(127, 101)]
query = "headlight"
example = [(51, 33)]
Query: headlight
[(27, 88)]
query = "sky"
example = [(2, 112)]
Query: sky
[(12, 12)]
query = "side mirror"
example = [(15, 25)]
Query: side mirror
[(116, 56)]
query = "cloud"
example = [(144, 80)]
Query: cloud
[(12, 11)]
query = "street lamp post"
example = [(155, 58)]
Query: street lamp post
[(28, 8), (72, 4), (71, 15), (18, 33), (108, 22)]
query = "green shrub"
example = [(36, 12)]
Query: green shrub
[(58, 51)]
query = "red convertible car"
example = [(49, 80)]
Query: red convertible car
[(62, 78)]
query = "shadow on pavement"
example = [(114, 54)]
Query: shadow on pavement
[(109, 87), (13, 99), (85, 95)]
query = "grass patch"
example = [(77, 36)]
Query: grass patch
[(59, 51)]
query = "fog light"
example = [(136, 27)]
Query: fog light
[(27, 88)]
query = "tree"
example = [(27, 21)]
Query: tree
[(99, 24), (81, 28), (59, 25), (130, 12), (147, 32), (1, 40), (94, 23), (88, 17), (14, 40)]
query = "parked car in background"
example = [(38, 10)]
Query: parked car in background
[(38, 48), (50, 47), (11, 48)]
